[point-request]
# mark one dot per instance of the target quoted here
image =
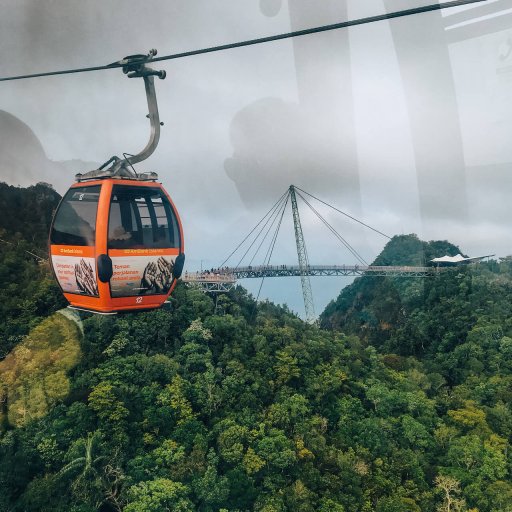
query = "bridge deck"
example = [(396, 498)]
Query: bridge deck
[(224, 278)]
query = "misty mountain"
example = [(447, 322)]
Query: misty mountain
[(23, 161)]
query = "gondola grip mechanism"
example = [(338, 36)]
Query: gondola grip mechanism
[(134, 66)]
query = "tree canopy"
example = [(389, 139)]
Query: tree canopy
[(400, 402)]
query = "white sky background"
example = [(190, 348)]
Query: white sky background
[(247, 103)]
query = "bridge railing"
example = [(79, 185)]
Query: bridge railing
[(209, 277), (317, 268)]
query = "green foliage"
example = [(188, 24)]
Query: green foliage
[(245, 408), (27, 212), (85, 470), (157, 496), (28, 292), (105, 403), (33, 377)]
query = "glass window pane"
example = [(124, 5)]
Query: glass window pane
[(75, 221), (141, 217)]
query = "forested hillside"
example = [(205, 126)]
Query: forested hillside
[(447, 320), (401, 404), (26, 213), (27, 289)]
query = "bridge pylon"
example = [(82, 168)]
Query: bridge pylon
[(302, 254)]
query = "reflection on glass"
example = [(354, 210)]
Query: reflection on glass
[(75, 222), (141, 217)]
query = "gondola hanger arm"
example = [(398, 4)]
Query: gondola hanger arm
[(135, 66)]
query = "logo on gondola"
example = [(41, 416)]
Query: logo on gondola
[(138, 300), (81, 196)]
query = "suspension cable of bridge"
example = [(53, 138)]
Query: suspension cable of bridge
[(270, 222), (272, 245), (343, 213), (256, 237), (283, 208), (261, 40), (270, 212), (334, 232)]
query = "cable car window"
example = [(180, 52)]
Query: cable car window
[(75, 222), (141, 217)]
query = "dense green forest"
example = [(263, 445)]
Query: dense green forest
[(27, 290), (399, 402)]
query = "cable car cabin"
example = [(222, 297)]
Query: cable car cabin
[(116, 245)]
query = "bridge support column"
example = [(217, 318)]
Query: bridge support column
[(303, 260)]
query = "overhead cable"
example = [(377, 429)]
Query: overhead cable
[(277, 37)]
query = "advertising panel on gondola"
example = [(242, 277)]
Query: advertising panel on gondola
[(142, 271)]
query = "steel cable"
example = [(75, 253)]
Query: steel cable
[(251, 42)]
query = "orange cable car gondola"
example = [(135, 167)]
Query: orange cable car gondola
[(116, 240)]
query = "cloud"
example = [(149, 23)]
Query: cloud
[(23, 160), (278, 143)]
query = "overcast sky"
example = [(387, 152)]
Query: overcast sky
[(404, 124)]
